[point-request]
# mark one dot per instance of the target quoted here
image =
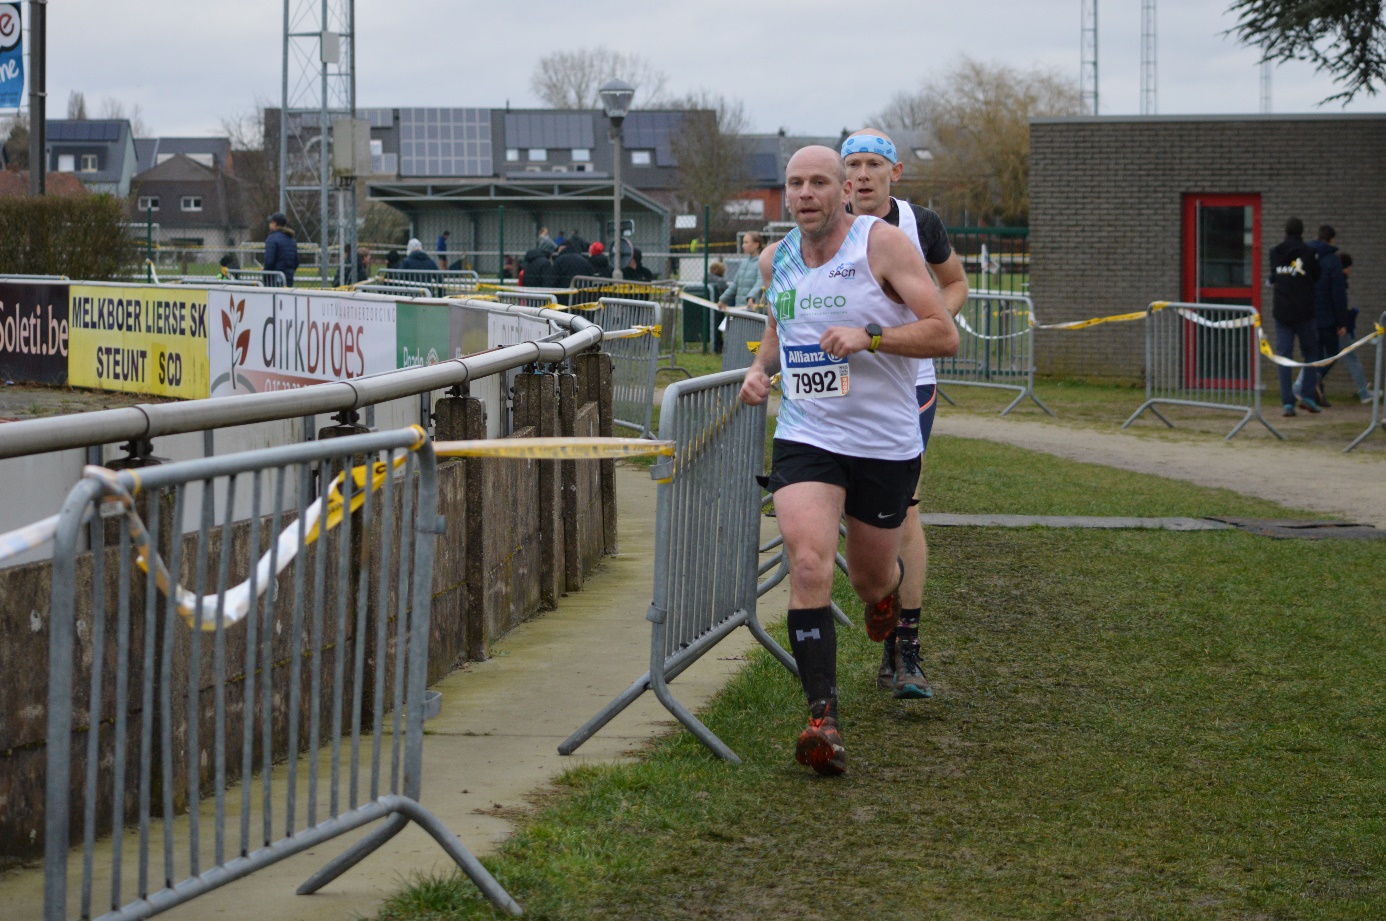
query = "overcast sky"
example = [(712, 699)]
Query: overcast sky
[(811, 67)]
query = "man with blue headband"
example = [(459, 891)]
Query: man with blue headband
[(872, 165)]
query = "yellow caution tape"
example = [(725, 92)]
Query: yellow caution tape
[(554, 448), (1097, 321), (753, 348), (702, 302), (1284, 362), (634, 332)]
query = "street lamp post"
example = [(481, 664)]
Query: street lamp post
[(616, 96)]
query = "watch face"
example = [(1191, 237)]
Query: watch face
[(873, 329)]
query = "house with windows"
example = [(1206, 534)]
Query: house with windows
[(101, 152), (187, 188)]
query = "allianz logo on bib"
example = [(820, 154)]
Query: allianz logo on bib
[(788, 303)]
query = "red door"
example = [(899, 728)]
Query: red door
[(1222, 265)]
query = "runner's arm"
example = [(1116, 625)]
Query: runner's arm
[(952, 283), (755, 387), (900, 270)]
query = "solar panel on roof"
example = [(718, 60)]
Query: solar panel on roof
[(445, 142)]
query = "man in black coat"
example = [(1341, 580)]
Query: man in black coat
[(1294, 270), (571, 261), (537, 270), (281, 250)]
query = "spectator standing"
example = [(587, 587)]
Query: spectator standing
[(635, 269), (1330, 306), (745, 286), (537, 271), (508, 267), (546, 243), (571, 261), (1294, 268), (442, 247), (416, 260), (717, 280), (1350, 360), (281, 250), (601, 264)]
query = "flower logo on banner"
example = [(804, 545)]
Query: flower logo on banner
[(239, 341)]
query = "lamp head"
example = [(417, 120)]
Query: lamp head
[(616, 96)]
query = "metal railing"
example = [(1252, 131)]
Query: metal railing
[(1203, 355), (707, 535), (996, 348), (269, 279), (148, 421), (1378, 418), (341, 620), (668, 295), (743, 328), (439, 282), (634, 360)]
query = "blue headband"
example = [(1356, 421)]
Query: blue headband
[(869, 143)]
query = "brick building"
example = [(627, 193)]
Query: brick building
[(1128, 210)]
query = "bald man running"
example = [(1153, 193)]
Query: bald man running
[(872, 165), (853, 309)]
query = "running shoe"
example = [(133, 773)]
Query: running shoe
[(1308, 405), (882, 616), (885, 677), (909, 683), (1289, 410), (820, 744)]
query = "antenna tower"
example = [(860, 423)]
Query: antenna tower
[(319, 86), (1087, 77), (1148, 106)]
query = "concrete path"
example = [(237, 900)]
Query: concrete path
[(496, 742)]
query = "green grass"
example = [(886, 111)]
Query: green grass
[(1127, 725)]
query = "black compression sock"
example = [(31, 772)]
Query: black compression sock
[(813, 640), (910, 616)]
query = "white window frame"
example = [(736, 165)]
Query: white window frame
[(512, 155), (538, 154), (88, 158), (642, 158), (148, 203), (582, 155), (184, 205)]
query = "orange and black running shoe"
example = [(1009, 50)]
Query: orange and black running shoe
[(820, 744)]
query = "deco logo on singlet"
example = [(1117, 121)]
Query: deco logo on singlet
[(788, 304)]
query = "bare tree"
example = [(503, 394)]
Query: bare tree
[(115, 109), (711, 153), (256, 168), (16, 132), (571, 79), (979, 115), (1346, 38), (76, 106)]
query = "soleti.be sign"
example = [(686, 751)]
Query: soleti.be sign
[(11, 56)]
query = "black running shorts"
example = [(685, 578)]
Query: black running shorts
[(879, 492)]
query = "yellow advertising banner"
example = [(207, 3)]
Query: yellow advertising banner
[(139, 340)]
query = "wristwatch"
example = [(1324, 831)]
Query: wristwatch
[(874, 331)]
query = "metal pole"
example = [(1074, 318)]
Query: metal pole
[(351, 234), (500, 247), (38, 95), (617, 274), (284, 118), (149, 244), (324, 235), (707, 277)]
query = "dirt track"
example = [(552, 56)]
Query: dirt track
[(1351, 486)]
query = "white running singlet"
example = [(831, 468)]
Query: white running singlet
[(911, 228), (873, 413)]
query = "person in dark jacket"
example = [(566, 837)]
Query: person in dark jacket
[(537, 271), (570, 262), (1330, 306), (281, 250), (601, 265), (1294, 268), (635, 269), (416, 260)]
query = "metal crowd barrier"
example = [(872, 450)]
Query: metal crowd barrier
[(439, 282), (1203, 355), (707, 535), (398, 289), (527, 298), (1378, 421), (743, 328), (269, 279), (345, 625), (996, 348), (667, 294), (634, 361)]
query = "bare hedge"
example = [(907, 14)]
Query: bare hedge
[(81, 237)]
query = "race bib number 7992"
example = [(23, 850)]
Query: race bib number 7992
[(810, 374)]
